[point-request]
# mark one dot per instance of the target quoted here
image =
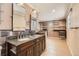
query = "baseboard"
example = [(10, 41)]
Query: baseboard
[(69, 48)]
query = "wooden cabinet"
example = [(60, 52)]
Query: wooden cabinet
[(5, 16), (29, 51), (59, 24), (31, 48), (25, 49), (39, 46), (43, 25)]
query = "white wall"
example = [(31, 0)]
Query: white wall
[(73, 34), (5, 16)]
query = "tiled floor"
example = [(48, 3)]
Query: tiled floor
[(56, 47)]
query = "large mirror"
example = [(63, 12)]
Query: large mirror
[(34, 20), (19, 17)]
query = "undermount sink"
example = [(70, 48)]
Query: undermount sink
[(30, 38), (23, 39), (34, 35)]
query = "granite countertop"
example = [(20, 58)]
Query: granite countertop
[(17, 42)]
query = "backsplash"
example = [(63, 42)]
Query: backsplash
[(16, 34), (4, 33)]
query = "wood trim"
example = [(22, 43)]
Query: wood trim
[(30, 22), (12, 16), (12, 20)]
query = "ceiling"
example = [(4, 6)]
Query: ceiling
[(50, 11)]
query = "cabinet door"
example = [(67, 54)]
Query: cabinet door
[(22, 52), (37, 49), (5, 16), (42, 44), (29, 51)]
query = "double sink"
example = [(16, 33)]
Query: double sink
[(29, 38)]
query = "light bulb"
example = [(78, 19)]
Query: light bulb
[(53, 10)]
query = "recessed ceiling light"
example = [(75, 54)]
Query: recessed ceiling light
[(53, 10)]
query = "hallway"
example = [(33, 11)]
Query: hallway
[(56, 47)]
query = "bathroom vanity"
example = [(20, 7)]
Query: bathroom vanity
[(32, 46)]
